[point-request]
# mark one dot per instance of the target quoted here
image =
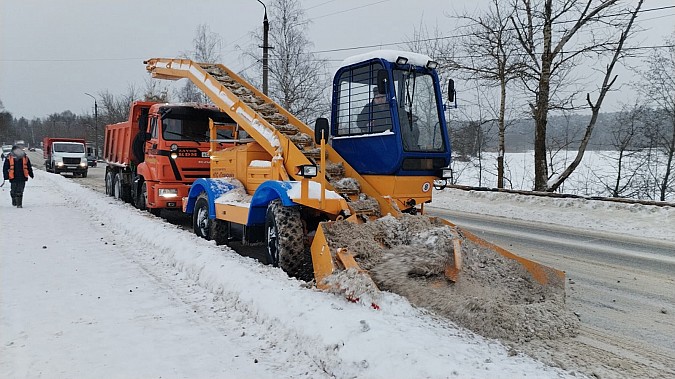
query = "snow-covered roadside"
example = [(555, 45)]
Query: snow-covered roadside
[(53, 323), (636, 220)]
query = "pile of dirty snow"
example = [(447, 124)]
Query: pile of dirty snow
[(493, 295)]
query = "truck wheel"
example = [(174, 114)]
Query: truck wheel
[(285, 241), (201, 223), (121, 191), (109, 178), (84, 174), (142, 198)]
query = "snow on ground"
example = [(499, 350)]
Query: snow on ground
[(93, 288), (630, 219)]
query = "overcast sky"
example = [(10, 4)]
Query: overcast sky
[(52, 52)]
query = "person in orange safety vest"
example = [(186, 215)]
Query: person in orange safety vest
[(17, 168)]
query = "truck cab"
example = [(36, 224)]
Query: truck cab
[(155, 156), (389, 104), (65, 155)]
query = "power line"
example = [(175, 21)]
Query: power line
[(469, 34), (349, 9)]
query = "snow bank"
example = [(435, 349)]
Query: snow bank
[(632, 219)]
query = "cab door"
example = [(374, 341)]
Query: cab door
[(152, 149)]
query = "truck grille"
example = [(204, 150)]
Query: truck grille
[(194, 173), (71, 161)]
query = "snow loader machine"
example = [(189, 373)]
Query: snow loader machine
[(281, 184)]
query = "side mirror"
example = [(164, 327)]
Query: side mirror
[(451, 90), (382, 77), (321, 129)]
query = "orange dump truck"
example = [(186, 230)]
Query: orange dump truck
[(154, 156)]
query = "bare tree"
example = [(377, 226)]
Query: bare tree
[(6, 132), (207, 47), (298, 78), (116, 108), (658, 88), (583, 28), (626, 143), (492, 41), (155, 90)]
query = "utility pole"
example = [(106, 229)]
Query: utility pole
[(95, 124), (265, 47)]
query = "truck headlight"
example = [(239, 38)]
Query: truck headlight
[(59, 163), (83, 164), (168, 192), (174, 155)]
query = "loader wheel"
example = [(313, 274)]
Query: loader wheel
[(201, 223), (207, 228), (109, 183), (285, 241), (220, 232)]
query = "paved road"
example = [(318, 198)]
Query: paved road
[(620, 286)]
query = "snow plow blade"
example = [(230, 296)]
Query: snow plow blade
[(429, 251)]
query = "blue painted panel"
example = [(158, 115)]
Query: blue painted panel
[(214, 188), (266, 192)]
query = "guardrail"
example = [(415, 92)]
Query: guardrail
[(564, 195)]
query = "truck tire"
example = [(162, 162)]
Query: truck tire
[(84, 174), (285, 241), (144, 195), (109, 179), (141, 201), (121, 191)]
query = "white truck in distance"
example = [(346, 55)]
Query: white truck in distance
[(65, 155)]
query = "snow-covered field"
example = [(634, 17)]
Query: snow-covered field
[(636, 220), (91, 288), (596, 172)]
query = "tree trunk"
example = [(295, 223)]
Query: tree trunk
[(669, 164), (502, 127), (540, 111)]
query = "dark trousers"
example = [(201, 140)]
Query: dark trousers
[(16, 191)]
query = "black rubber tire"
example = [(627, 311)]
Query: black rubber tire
[(117, 186), (284, 236), (201, 222), (220, 232), (84, 174), (141, 201), (121, 191), (109, 179)]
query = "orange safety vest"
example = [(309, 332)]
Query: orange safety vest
[(11, 167)]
